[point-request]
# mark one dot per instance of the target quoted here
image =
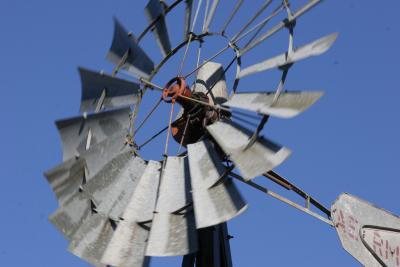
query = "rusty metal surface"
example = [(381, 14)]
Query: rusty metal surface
[(312, 49), (259, 158), (154, 10), (216, 199), (75, 131), (128, 244), (118, 92), (368, 233), (65, 178), (137, 61), (287, 105)]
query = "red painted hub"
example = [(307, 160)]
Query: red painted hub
[(174, 89)]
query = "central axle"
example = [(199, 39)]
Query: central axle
[(194, 117)]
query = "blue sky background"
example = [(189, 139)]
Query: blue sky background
[(347, 142)]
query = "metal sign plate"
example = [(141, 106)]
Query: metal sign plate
[(368, 233)]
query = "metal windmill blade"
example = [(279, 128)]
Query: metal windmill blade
[(127, 54), (155, 15), (118, 209), (80, 133), (102, 91)]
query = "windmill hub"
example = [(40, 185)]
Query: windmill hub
[(195, 116)]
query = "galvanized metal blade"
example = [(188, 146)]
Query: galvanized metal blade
[(211, 80), (262, 156), (215, 197), (368, 233), (217, 204), (66, 178), (128, 245), (79, 133), (287, 105), (118, 92), (205, 165), (102, 153), (92, 237), (173, 231), (175, 186), (188, 18), (113, 186), (69, 217), (315, 48), (172, 234), (125, 50), (155, 10)]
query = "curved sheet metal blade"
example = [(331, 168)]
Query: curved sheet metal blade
[(69, 217), (214, 202), (262, 156), (66, 178), (315, 48), (91, 239), (287, 105), (125, 44), (155, 10), (128, 245), (205, 165), (172, 235), (175, 186), (212, 75), (368, 233), (173, 230), (118, 92), (217, 204), (80, 133), (102, 153), (113, 186)]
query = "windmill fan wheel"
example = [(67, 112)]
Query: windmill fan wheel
[(117, 208)]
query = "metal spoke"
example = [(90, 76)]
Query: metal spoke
[(150, 84), (204, 103), (258, 13), (148, 116), (232, 44), (184, 134), (169, 129), (152, 138), (208, 60), (260, 26), (235, 10), (281, 25), (282, 199), (189, 39)]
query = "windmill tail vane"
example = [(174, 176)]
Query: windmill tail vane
[(117, 208)]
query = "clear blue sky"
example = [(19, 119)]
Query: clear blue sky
[(347, 142)]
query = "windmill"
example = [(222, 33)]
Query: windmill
[(118, 208)]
